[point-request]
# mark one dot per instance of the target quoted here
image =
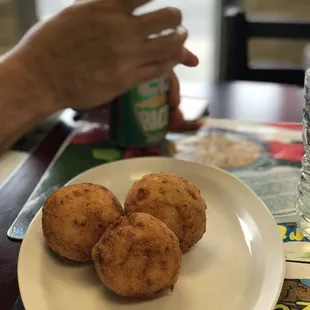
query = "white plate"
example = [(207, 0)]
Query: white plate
[(238, 265)]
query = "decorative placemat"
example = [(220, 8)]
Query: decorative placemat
[(265, 156), (87, 147)]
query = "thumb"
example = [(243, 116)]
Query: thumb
[(188, 58), (174, 91)]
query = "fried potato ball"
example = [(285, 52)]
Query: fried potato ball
[(175, 201), (75, 217), (138, 257)]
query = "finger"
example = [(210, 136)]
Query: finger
[(160, 56), (131, 5), (156, 22), (176, 118), (177, 122), (186, 126), (154, 70), (162, 48), (188, 58), (163, 42), (174, 91)]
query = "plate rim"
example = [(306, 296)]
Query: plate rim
[(268, 214)]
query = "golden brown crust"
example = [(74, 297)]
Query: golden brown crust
[(175, 201), (74, 218), (138, 256)]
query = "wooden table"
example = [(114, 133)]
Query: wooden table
[(239, 100)]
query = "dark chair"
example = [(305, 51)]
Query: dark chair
[(237, 29)]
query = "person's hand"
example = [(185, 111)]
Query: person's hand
[(93, 51), (177, 122)]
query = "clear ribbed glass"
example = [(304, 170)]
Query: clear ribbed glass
[(303, 196)]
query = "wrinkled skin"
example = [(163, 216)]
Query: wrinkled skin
[(94, 51)]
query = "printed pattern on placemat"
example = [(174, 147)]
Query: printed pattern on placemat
[(297, 247), (267, 158), (86, 148), (295, 295)]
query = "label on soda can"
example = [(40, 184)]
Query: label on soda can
[(141, 116)]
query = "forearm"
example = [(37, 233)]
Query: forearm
[(22, 101)]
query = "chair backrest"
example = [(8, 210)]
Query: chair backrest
[(238, 29)]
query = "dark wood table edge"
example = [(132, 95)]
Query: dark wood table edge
[(22, 186)]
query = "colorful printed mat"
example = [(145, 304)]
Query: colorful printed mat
[(265, 156), (295, 295)]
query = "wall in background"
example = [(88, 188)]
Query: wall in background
[(8, 25)]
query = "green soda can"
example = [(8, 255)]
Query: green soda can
[(140, 117)]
